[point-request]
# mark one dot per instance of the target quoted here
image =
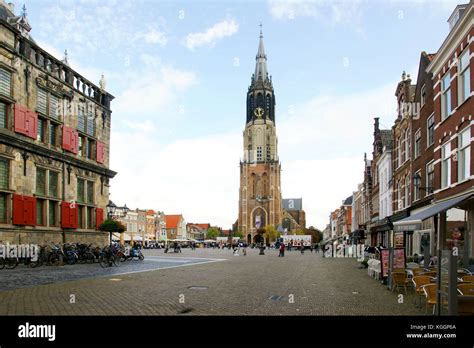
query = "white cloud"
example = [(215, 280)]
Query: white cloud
[(156, 37), (322, 144), (331, 13), (142, 127), (196, 177), (152, 91), (88, 27), (218, 31)]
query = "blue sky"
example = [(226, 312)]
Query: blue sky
[(180, 72)]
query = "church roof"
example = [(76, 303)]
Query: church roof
[(261, 71)]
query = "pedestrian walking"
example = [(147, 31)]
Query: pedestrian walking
[(282, 250), (311, 248), (302, 249)]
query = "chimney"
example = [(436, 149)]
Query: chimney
[(376, 124)]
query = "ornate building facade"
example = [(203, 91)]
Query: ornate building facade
[(54, 143), (260, 202)]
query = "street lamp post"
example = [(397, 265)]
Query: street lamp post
[(111, 207), (125, 211)]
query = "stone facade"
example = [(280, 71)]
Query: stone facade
[(54, 143)]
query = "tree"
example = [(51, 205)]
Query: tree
[(271, 234), (112, 226), (212, 233), (316, 234), (238, 234)]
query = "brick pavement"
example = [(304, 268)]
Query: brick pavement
[(240, 285)]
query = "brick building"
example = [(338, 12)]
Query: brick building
[(451, 209), (54, 143)]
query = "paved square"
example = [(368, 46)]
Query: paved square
[(214, 282)]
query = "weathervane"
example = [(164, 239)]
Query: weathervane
[(261, 25)]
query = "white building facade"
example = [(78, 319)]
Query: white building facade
[(384, 165)]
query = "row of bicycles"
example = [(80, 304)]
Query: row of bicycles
[(52, 254)]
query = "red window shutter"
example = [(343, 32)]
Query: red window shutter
[(67, 134), (99, 217), (32, 124), (70, 140), (18, 210), (65, 216), (73, 217), (100, 157), (20, 119), (29, 206)]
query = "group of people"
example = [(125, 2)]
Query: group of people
[(176, 248), (282, 248)]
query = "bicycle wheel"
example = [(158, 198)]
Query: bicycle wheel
[(103, 261), (55, 259), (11, 263), (90, 258), (141, 257), (116, 260)]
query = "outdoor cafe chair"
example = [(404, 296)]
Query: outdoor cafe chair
[(417, 271), (468, 279), (418, 283), (399, 279), (430, 293), (464, 271), (466, 289), (430, 274)]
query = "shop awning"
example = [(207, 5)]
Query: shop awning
[(413, 222)]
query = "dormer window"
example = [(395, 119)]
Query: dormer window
[(456, 15), (454, 20)]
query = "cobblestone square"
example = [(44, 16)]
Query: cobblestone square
[(214, 282)]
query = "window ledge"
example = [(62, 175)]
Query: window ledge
[(464, 102)]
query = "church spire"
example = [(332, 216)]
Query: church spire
[(261, 60)]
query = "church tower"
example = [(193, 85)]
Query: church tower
[(260, 192)]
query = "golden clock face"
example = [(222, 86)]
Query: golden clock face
[(258, 112)]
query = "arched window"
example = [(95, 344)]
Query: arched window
[(407, 190), (260, 100), (265, 184), (407, 144), (399, 195), (253, 186)]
